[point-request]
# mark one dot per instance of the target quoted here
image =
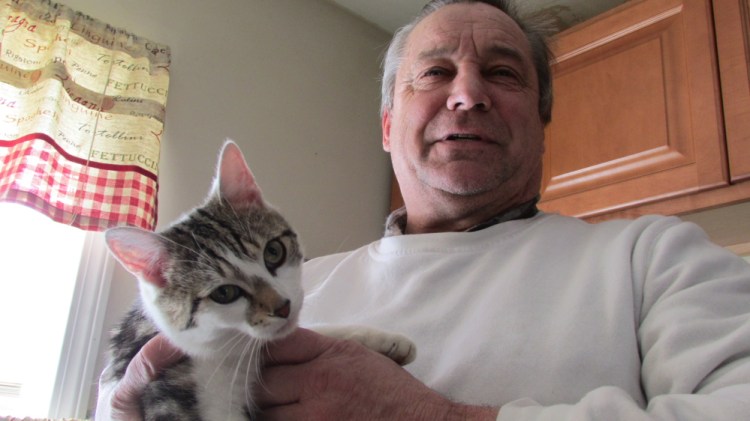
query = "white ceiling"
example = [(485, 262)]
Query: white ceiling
[(392, 14)]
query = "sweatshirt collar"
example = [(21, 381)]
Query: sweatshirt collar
[(396, 222)]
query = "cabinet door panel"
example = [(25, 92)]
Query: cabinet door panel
[(637, 116), (733, 42)]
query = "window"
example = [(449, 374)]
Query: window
[(48, 271), (81, 117)]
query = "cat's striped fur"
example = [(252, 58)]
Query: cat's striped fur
[(218, 283)]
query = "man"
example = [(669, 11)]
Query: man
[(516, 314)]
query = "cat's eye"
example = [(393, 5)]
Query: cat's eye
[(226, 294), (274, 255)]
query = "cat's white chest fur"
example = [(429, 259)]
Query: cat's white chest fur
[(224, 387)]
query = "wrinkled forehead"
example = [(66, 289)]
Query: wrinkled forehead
[(475, 26)]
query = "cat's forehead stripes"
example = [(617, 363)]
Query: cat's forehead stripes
[(230, 231), (203, 235), (243, 270), (219, 227)]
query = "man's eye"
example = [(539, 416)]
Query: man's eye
[(435, 71), (506, 74)]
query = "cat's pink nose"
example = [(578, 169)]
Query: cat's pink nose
[(283, 310)]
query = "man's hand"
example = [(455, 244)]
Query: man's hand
[(313, 377), (121, 402)]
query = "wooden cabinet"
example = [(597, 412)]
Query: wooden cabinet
[(637, 114), (733, 44), (652, 111)]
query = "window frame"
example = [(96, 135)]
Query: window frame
[(83, 334)]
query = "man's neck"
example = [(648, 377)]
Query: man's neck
[(401, 223)]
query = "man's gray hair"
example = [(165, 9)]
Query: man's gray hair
[(537, 33)]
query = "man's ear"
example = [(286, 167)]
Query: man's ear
[(385, 125)]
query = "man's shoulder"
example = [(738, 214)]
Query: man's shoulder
[(641, 229), (640, 222)]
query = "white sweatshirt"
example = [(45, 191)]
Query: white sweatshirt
[(552, 318)]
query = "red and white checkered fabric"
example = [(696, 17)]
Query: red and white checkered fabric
[(36, 172)]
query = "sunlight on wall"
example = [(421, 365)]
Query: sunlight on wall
[(39, 262)]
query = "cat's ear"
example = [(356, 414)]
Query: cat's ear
[(234, 181), (141, 252)]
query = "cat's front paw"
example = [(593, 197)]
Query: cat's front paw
[(397, 347)]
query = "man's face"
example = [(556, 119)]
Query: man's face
[(465, 118)]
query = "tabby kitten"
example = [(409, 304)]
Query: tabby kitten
[(218, 283)]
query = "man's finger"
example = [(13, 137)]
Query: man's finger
[(158, 354), (155, 356), (299, 346), (279, 385), (284, 413), (291, 370)]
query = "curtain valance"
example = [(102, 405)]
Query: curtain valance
[(82, 108)]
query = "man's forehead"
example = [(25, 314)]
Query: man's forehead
[(487, 28)]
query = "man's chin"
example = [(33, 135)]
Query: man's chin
[(465, 183)]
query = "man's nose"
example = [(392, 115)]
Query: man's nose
[(468, 92)]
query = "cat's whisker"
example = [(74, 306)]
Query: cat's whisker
[(259, 359), (247, 228), (237, 367), (238, 337), (198, 244), (234, 341), (173, 242), (200, 253), (253, 376), (234, 211)]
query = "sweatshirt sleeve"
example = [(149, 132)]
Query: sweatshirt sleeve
[(103, 411), (694, 336)]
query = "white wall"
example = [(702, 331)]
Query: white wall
[(295, 83)]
